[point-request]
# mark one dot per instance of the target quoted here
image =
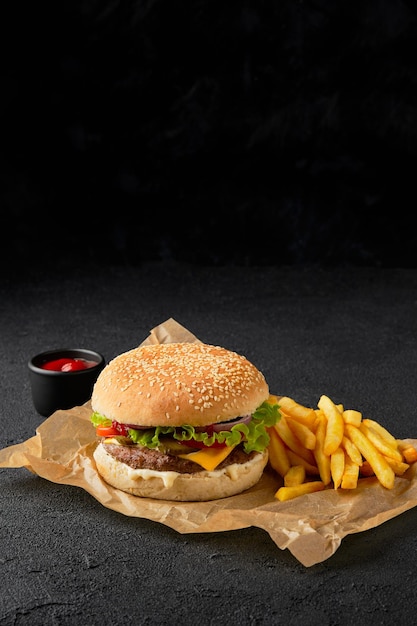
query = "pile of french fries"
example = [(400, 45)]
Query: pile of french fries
[(312, 449)]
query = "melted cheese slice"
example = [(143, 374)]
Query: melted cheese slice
[(210, 458)]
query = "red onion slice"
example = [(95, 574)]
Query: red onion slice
[(245, 419)]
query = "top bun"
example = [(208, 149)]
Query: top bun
[(178, 383)]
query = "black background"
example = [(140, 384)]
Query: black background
[(220, 133)]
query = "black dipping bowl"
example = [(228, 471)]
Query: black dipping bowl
[(52, 390)]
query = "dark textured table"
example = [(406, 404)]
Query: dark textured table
[(66, 559)]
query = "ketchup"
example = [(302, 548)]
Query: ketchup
[(68, 365)]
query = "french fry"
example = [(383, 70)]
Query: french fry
[(408, 451), (322, 459), (288, 437), (399, 467), (383, 471), (335, 425), (278, 458), (297, 411), (288, 493), (273, 399), (303, 433), (381, 443), (334, 444), (337, 466), (296, 475), (383, 432), (311, 470), (350, 475), (350, 416), (352, 451)]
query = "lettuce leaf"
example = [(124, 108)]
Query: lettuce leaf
[(99, 420), (254, 435)]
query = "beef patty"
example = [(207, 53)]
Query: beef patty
[(138, 457)]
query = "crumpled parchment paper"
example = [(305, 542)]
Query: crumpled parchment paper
[(311, 527)]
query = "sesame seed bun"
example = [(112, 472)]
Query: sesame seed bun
[(178, 383)]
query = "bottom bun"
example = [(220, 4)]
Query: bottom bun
[(197, 487)]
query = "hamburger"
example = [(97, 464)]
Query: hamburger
[(182, 421)]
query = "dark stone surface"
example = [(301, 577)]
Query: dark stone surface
[(66, 559)]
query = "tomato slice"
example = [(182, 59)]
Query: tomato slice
[(106, 431)]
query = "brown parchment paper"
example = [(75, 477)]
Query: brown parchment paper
[(311, 527)]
